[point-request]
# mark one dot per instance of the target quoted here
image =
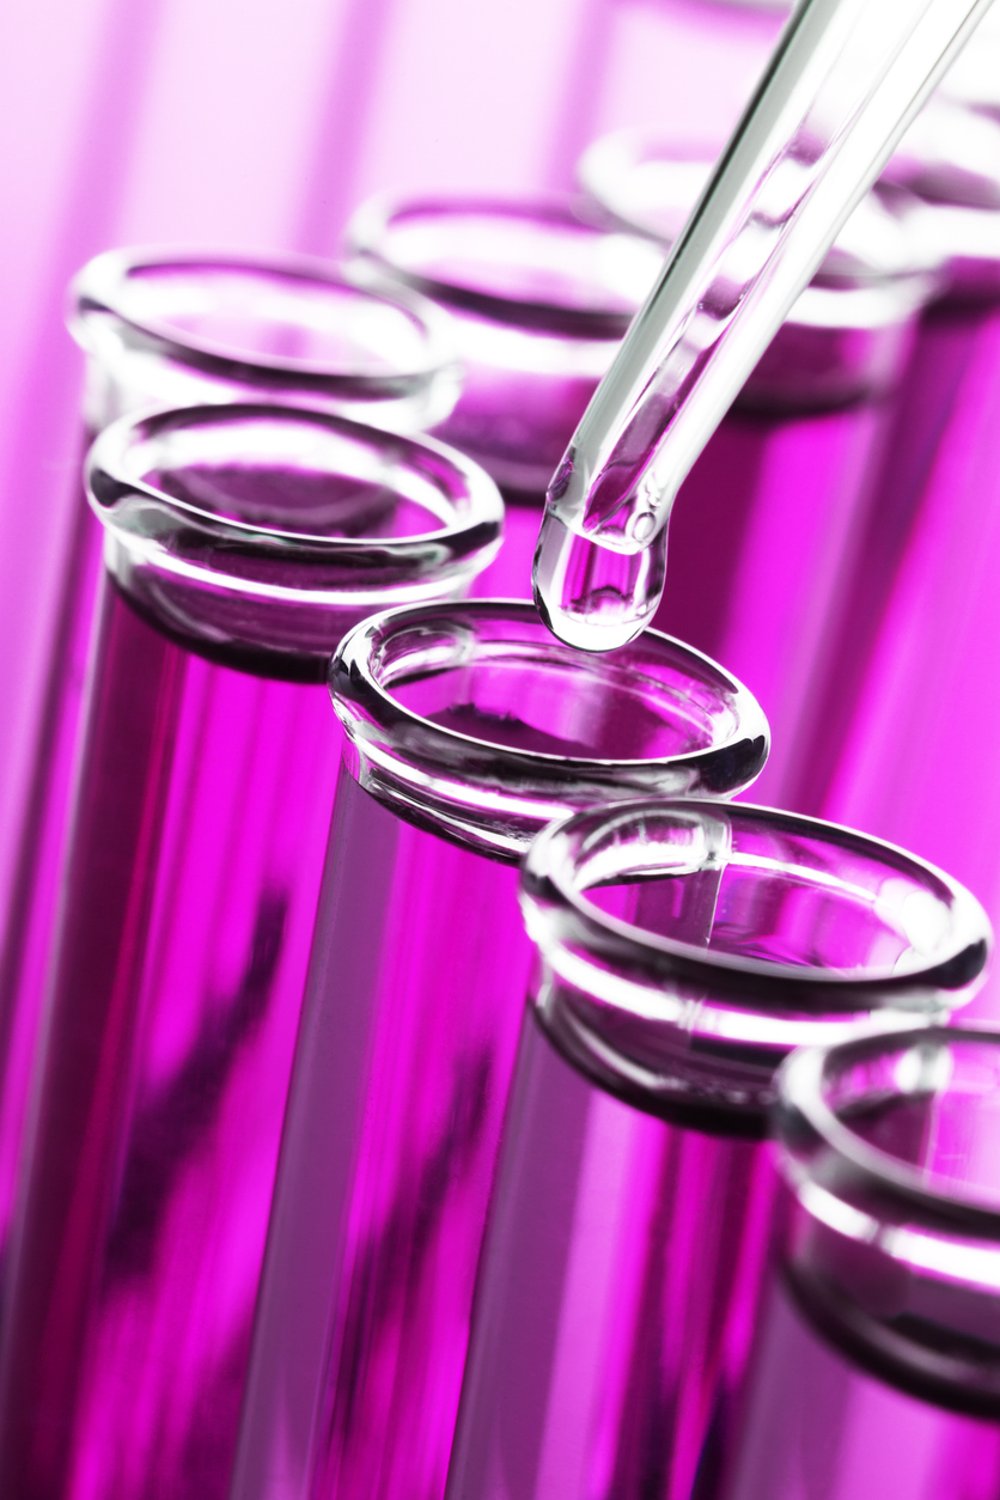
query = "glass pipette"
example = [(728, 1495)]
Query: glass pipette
[(845, 80)]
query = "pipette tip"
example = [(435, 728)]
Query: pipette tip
[(590, 596)]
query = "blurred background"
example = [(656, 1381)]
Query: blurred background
[(245, 124), (241, 123)]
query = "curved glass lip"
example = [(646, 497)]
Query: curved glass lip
[(548, 877), (828, 301), (950, 159), (803, 1122), (369, 229), (102, 289), (353, 680), (490, 795), (955, 195), (111, 486)]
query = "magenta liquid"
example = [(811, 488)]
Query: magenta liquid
[(914, 762), (616, 1299), (684, 949), (818, 1425), (947, 387), (538, 295), (517, 423), (402, 1072), (763, 549), (160, 331), (186, 917), (468, 728), (509, 575), (33, 839)]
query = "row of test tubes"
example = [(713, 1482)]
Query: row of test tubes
[(298, 1196)]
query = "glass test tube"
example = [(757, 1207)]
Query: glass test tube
[(683, 950), (469, 728), (169, 329), (765, 533), (241, 542), (925, 638), (877, 1368), (539, 299)]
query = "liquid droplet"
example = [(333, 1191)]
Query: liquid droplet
[(590, 596)]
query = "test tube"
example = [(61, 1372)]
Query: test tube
[(174, 328), (923, 635), (684, 948), (241, 542), (468, 728), (877, 1365), (166, 328), (765, 542), (538, 298)]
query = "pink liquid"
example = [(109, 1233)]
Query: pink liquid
[(34, 837), (509, 574), (764, 553), (517, 419), (186, 917), (937, 388), (912, 759), (517, 425), (413, 1007), (401, 1076), (819, 1426), (616, 1299)]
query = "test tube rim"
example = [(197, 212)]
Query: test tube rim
[(961, 183), (351, 662), (477, 533), (101, 289), (370, 223), (546, 883), (413, 755), (959, 223), (804, 1123), (833, 300)]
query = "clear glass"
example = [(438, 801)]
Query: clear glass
[(539, 298), (160, 328), (242, 541), (933, 540), (973, 78), (684, 948), (845, 79), (171, 328), (766, 542), (468, 729), (885, 1279)]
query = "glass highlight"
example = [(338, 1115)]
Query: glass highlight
[(766, 550), (468, 729), (538, 298), (885, 1278), (683, 949), (242, 541), (160, 327)]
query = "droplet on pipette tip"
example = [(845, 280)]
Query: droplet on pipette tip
[(590, 596)]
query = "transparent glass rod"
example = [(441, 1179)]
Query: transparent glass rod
[(845, 80)]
